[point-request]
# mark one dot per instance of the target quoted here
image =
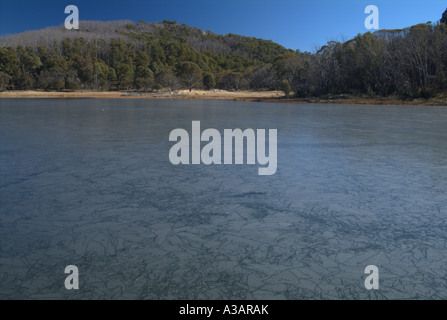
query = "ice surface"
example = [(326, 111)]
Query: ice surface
[(88, 182)]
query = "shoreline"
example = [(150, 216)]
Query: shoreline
[(353, 101), (248, 96), (177, 94)]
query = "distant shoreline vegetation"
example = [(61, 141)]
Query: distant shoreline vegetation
[(409, 63)]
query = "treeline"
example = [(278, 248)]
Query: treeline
[(409, 63)]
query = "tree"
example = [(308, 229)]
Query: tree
[(55, 72), (100, 73), (10, 64), (190, 74), (288, 66), (4, 81), (72, 80), (208, 81), (144, 77), (285, 86), (125, 74), (51, 80), (229, 80), (263, 77), (84, 68), (167, 79), (444, 17), (111, 76)]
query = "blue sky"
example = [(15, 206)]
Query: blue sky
[(296, 24)]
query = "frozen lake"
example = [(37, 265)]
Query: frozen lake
[(89, 183)]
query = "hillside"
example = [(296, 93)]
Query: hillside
[(124, 55), (127, 55)]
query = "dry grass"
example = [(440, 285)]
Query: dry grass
[(195, 94), (254, 96)]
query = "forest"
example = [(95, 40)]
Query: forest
[(124, 55)]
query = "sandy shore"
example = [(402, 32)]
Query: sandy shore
[(182, 94), (251, 96)]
